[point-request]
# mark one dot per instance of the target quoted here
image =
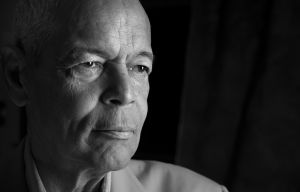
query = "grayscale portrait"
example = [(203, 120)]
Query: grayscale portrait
[(80, 71)]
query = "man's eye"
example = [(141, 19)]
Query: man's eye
[(87, 71), (140, 69), (90, 64)]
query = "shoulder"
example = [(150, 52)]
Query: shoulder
[(158, 176)]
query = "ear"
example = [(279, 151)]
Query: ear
[(13, 64)]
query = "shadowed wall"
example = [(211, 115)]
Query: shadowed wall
[(241, 101)]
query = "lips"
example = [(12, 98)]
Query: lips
[(121, 133)]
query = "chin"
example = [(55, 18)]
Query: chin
[(119, 161), (114, 157)]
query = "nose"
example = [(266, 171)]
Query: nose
[(118, 90)]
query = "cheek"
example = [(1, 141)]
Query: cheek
[(80, 102), (141, 94), (57, 103), (141, 88)]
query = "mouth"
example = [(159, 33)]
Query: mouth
[(115, 134)]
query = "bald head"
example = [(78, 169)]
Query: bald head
[(35, 21)]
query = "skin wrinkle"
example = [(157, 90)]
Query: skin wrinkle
[(126, 23), (63, 110)]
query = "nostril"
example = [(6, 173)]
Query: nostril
[(117, 98), (115, 102)]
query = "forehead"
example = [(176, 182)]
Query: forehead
[(109, 12), (109, 24)]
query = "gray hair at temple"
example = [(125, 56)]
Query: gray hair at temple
[(33, 22)]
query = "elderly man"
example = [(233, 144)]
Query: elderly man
[(81, 69)]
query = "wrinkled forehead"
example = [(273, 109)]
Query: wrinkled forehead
[(114, 15), (101, 19), (84, 13)]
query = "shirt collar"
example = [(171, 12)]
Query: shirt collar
[(33, 178)]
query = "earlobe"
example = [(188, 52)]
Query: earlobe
[(13, 63)]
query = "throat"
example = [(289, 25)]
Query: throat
[(63, 181)]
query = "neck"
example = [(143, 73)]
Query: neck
[(60, 176), (68, 181)]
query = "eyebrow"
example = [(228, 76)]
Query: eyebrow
[(147, 54), (76, 51)]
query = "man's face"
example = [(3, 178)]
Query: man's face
[(88, 92)]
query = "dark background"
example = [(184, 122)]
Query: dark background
[(170, 25), (225, 92)]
